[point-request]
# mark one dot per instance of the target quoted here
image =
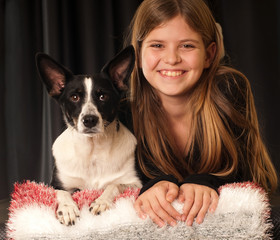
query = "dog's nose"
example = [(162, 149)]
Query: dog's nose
[(90, 121)]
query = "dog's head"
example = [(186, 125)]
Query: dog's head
[(89, 103)]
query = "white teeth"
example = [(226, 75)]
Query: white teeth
[(172, 73)]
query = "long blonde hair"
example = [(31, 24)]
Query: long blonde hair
[(216, 112)]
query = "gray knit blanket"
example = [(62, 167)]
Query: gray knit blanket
[(242, 213)]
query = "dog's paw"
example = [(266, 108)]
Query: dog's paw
[(99, 205), (67, 214)]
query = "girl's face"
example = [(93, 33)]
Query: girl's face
[(173, 57)]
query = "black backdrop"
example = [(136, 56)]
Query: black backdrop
[(83, 35)]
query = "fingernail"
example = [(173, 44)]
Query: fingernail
[(169, 199), (184, 217), (173, 223), (161, 224), (199, 220), (143, 216), (189, 223), (212, 210)]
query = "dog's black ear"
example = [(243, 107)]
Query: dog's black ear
[(53, 74), (120, 68)]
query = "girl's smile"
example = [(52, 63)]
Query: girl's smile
[(173, 57), (171, 73)]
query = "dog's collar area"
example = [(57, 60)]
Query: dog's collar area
[(117, 124)]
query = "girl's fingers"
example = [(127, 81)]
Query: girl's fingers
[(151, 213), (203, 210), (156, 203), (198, 200), (181, 197), (138, 209), (214, 202), (188, 196), (172, 193), (155, 211), (197, 205), (165, 212)]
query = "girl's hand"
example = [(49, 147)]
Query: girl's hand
[(156, 203), (197, 199)]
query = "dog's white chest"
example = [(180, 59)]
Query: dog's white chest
[(92, 163)]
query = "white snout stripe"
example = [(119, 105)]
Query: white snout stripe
[(88, 107), (88, 88)]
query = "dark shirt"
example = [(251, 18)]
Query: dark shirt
[(208, 180)]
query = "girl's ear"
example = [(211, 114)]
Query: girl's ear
[(210, 54)]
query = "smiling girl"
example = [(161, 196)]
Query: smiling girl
[(193, 117)]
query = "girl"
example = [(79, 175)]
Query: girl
[(194, 118)]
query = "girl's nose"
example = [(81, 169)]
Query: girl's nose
[(172, 56)]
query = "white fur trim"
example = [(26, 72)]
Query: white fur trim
[(241, 214)]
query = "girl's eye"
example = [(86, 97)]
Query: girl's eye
[(188, 46), (157, 45), (75, 98), (103, 97)]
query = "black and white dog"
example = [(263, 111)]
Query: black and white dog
[(95, 151)]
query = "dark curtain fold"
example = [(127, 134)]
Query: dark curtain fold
[(252, 40), (83, 35), (22, 95), (3, 150)]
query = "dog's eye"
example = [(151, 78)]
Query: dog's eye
[(75, 98), (103, 97)]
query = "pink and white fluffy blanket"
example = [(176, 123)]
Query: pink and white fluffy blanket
[(242, 213)]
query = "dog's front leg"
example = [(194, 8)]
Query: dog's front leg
[(105, 201), (67, 210)]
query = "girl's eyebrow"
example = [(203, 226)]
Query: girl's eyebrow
[(154, 40), (189, 40), (181, 41)]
